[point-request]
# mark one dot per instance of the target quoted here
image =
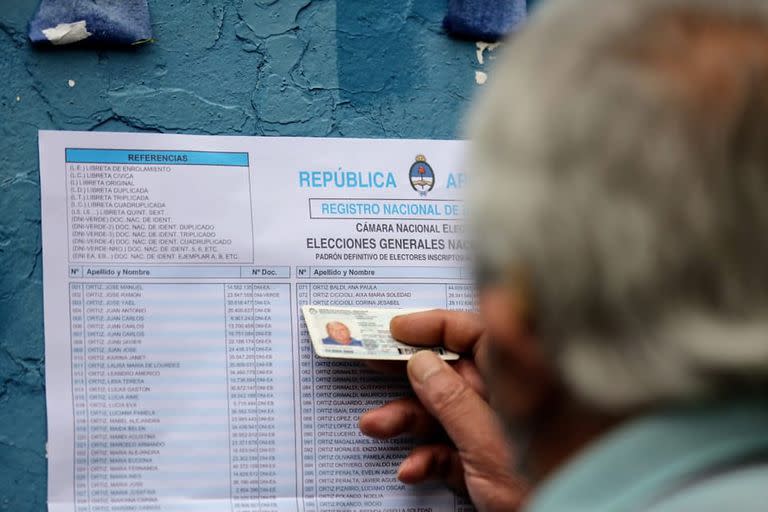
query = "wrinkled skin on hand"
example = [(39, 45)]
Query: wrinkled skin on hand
[(466, 445)]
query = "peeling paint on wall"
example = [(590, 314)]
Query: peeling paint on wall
[(481, 47)]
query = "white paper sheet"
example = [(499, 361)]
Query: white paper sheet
[(179, 373)]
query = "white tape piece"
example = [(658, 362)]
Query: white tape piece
[(67, 33), (482, 47)]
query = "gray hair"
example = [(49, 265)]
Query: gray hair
[(629, 181)]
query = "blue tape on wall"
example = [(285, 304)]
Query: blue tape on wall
[(484, 20), (112, 22)]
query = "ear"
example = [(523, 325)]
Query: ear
[(505, 311), (521, 376)]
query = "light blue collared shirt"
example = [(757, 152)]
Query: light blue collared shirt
[(708, 458)]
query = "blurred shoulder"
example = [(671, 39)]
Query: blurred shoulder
[(741, 489)]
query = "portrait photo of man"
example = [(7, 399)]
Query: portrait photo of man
[(339, 334)]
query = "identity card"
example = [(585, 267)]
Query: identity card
[(360, 333)]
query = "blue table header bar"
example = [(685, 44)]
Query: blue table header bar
[(144, 157)]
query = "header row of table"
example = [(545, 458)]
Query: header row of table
[(265, 272)]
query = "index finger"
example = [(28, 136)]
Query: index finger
[(458, 331)]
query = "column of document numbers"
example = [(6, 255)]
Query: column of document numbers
[(241, 383), (461, 297)]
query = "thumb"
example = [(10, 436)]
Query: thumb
[(467, 419)]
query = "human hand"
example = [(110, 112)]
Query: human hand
[(477, 459)]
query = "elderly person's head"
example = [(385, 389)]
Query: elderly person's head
[(620, 201)]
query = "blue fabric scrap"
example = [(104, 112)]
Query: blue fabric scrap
[(484, 20), (107, 22)]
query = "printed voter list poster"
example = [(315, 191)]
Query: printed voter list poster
[(180, 372)]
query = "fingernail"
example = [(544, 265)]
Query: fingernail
[(424, 364)]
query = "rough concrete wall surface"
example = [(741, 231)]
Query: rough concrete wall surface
[(343, 68)]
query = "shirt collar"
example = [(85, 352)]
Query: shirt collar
[(650, 456)]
